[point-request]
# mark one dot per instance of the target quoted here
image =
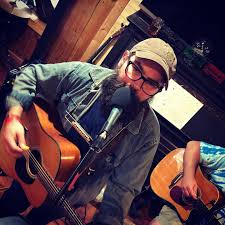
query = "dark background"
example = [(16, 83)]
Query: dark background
[(194, 20)]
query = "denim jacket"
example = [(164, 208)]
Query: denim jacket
[(74, 87)]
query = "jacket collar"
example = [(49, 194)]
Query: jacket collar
[(98, 75), (135, 125)]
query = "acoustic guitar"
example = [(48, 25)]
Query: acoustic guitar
[(166, 179), (50, 157)]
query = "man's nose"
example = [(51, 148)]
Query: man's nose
[(137, 85)]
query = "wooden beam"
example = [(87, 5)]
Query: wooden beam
[(104, 29)]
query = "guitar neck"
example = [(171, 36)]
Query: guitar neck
[(53, 190), (71, 214)]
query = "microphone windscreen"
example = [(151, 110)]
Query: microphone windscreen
[(122, 97)]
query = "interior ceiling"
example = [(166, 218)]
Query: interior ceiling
[(194, 20)]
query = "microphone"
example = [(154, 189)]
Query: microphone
[(121, 99)]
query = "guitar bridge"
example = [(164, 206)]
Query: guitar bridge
[(176, 179)]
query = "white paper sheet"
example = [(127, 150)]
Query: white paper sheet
[(176, 104)]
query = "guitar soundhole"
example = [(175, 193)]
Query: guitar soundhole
[(21, 170), (37, 156)]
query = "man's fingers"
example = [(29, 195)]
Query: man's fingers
[(15, 151), (21, 140), (188, 192), (194, 192), (185, 192), (12, 148)]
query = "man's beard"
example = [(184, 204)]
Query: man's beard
[(109, 86)]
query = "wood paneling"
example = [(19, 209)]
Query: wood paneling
[(24, 46), (82, 21), (38, 26), (132, 7)]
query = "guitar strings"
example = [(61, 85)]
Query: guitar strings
[(215, 211), (55, 189), (46, 178)]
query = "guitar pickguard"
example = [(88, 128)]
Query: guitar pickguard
[(177, 196)]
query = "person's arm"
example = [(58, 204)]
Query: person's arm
[(190, 163), (12, 132), (46, 80)]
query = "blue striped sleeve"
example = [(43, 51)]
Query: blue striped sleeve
[(212, 156)]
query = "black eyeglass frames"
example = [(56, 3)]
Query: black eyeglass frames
[(149, 86)]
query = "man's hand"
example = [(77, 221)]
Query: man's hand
[(13, 136), (189, 187)]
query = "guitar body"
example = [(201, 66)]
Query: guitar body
[(166, 181), (55, 153)]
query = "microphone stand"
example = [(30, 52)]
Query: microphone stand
[(120, 99), (94, 149)]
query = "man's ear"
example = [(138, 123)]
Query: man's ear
[(124, 57)]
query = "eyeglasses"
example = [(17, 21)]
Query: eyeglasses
[(149, 86)]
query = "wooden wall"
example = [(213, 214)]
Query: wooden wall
[(82, 28), (83, 22)]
